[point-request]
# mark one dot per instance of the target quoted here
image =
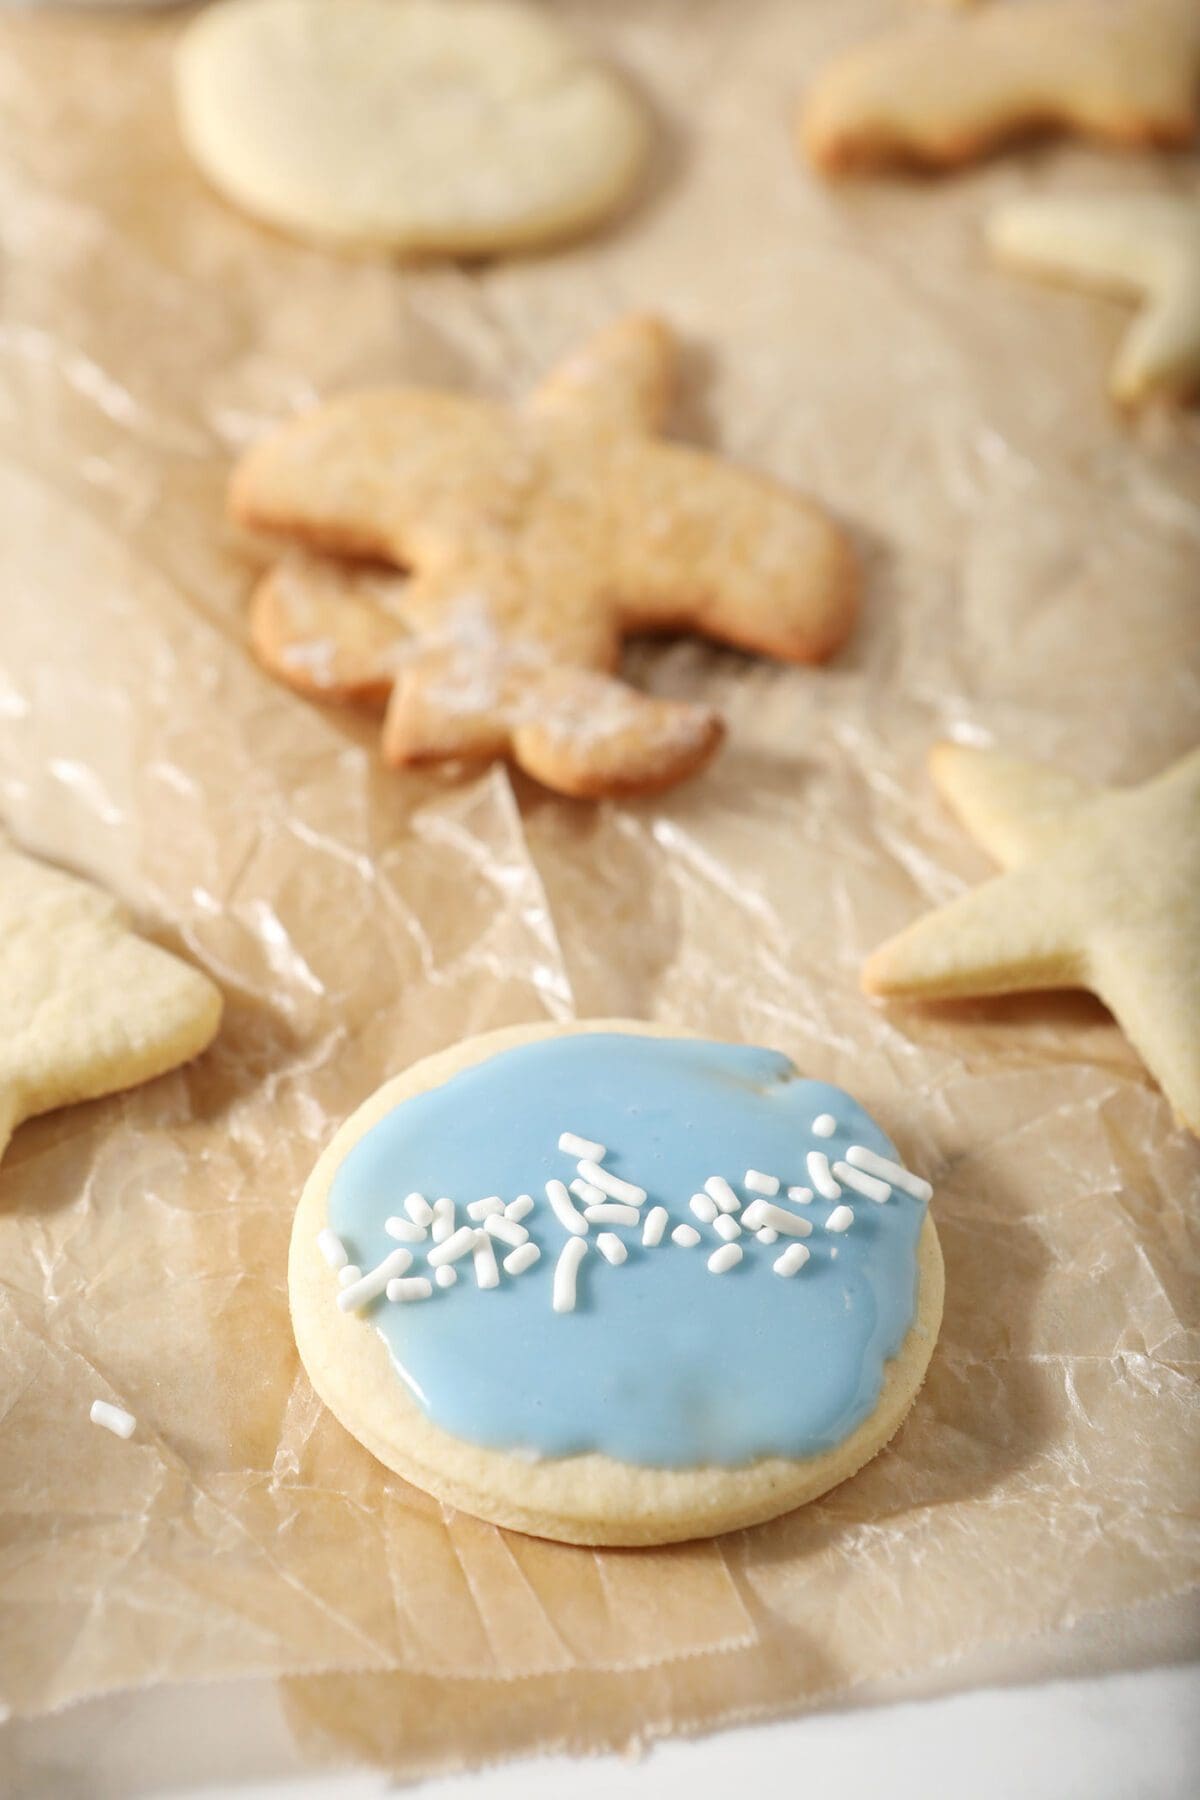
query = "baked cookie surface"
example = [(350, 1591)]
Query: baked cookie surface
[(87, 1007), (942, 89), (536, 536), (1143, 246), (1100, 889), (658, 1370), (404, 124)]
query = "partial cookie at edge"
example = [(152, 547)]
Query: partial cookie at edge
[(405, 125)]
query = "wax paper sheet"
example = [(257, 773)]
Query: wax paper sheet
[(1032, 572)]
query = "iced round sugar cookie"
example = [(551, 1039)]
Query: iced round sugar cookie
[(612, 1284), (424, 125)]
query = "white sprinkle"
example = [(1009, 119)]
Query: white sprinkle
[(445, 1276), (840, 1219), (443, 1220), (878, 1191), (800, 1195), (418, 1209), (507, 1230), (793, 1258), (611, 1214), (566, 1269), (818, 1174), (524, 1257), (611, 1248), (332, 1249), (685, 1236), (487, 1275), (704, 1207), (113, 1418), (461, 1243), (372, 1284), (761, 1212), (859, 1157), (824, 1125), (722, 1193), (767, 1236), (758, 1183), (583, 1190), (613, 1186), (414, 1288), (587, 1148), (564, 1212), (833, 1254), (727, 1227), (656, 1224), (404, 1231), (727, 1257), (520, 1208), (479, 1210), (350, 1273)]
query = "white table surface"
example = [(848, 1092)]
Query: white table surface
[(1108, 1711)]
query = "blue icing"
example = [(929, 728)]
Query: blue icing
[(662, 1363)]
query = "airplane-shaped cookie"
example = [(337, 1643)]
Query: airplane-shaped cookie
[(943, 88), (536, 538)]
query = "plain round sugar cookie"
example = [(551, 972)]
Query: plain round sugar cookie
[(592, 1497), (424, 125)]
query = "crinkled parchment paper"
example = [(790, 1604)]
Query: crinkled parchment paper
[(1033, 570)]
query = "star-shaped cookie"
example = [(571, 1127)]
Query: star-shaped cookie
[(536, 538), (943, 89), (1101, 890), (86, 1007), (1147, 245)]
